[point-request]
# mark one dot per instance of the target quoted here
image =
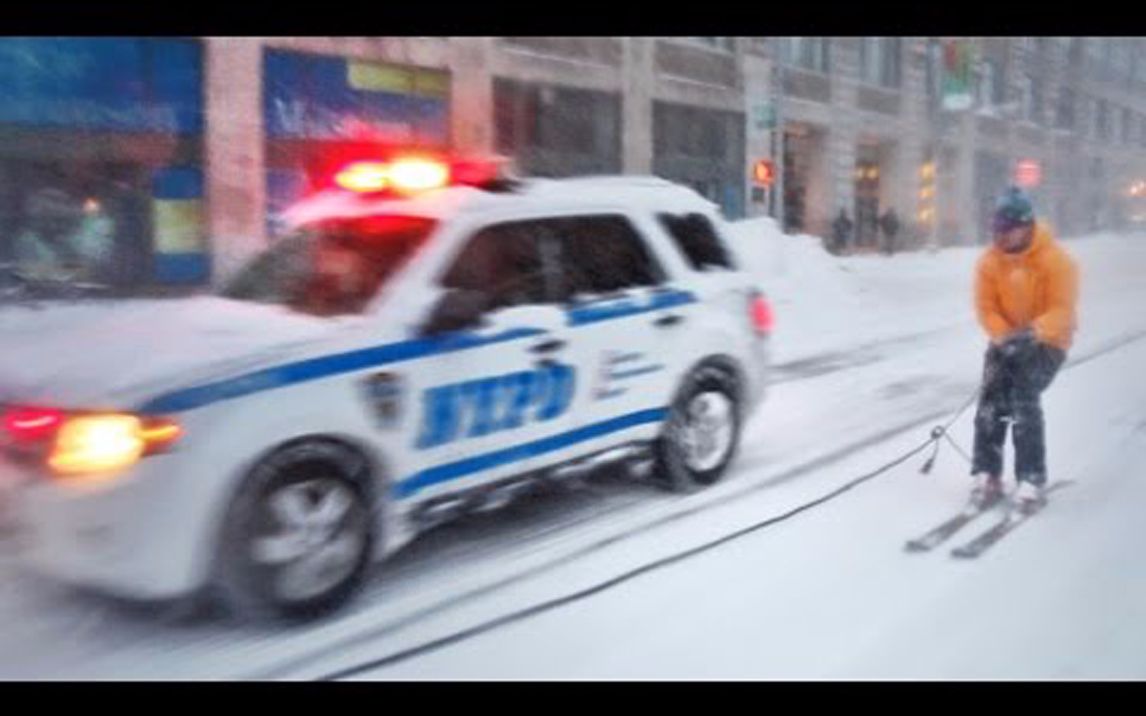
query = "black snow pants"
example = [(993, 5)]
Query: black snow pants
[(1010, 394)]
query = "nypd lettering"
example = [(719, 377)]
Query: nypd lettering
[(480, 407)]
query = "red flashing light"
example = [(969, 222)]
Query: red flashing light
[(28, 425), (477, 171)]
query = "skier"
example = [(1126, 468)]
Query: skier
[(1026, 289)]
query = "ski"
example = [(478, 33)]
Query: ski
[(1012, 519), (945, 530)]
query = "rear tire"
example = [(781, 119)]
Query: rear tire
[(299, 536), (702, 432)]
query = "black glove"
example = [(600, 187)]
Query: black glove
[(1018, 342)]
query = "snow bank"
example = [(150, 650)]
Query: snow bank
[(826, 303)]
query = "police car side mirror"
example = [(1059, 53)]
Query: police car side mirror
[(457, 309)]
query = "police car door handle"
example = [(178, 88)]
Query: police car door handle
[(548, 346), (671, 319)]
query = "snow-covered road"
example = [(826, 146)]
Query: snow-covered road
[(871, 352), (831, 596)]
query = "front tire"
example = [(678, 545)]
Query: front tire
[(702, 431), (298, 537)]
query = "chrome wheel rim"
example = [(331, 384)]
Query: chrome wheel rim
[(316, 539), (706, 430)]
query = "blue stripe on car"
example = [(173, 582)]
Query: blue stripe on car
[(324, 367), (594, 313), (517, 453), (327, 366)]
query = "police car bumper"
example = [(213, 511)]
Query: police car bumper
[(121, 537), (757, 370)]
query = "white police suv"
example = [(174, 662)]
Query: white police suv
[(427, 339)]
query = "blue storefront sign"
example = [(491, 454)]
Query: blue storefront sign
[(104, 83), (328, 97), (310, 99)]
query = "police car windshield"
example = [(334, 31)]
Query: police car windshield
[(332, 268)]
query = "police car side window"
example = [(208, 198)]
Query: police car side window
[(504, 262), (696, 238), (603, 255)]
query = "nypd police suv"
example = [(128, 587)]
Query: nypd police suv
[(425, 340)]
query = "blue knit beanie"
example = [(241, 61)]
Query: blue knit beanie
[(1012, 210)]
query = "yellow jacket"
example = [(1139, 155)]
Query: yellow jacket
[(1037, 288)]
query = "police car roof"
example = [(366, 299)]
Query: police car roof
[(588, 193)]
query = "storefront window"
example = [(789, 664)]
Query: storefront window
[(810, 53), (1120, 57), (557, 131), (62, 236), (718, 43), (1065, 115), (100, 153), (701, 148), (991, 90), (880, 59), (1032, 99), (1101, 120)]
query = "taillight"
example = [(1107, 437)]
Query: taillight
[(26, 425), (763, 319)]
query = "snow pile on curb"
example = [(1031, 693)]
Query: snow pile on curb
[(826, 303)]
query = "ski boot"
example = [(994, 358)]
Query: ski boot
[(987, 491)]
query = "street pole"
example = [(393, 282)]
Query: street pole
[(936, 142), (778, 136)]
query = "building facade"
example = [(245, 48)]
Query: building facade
[(866, 129), (179, 153)]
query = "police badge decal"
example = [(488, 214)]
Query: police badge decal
[(383, 393)]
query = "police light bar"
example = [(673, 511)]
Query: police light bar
[(409, 174), (413, 174)]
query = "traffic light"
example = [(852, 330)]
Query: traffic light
[(764, 172), (1028, 174)]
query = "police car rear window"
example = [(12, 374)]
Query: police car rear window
[(696, 238), (554, 260)]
